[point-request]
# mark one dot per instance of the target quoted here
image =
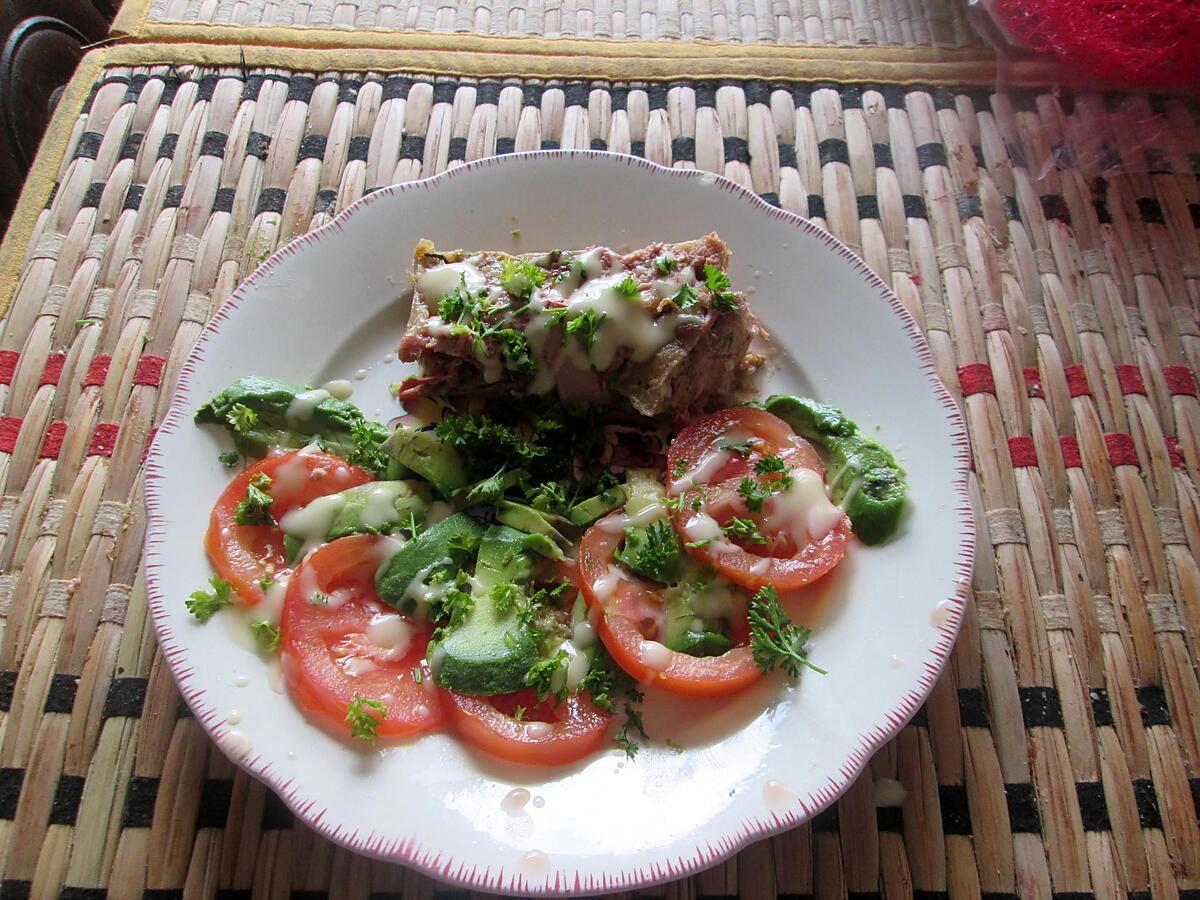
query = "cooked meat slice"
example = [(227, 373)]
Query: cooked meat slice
[(658, 331)]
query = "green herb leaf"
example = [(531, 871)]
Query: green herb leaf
[(203, 604), (753, 493), (267, 636), (255, 508), (652, 551), (775, 642), (487, 491), (627, 287), (363, 716), (685, 298), (514, 347), (549, 496), (680, 469), (718, 282), (633, 721), (742, 449), (506, 597), (771, 465), (585, 327), (665, 264), (241, 418), (541, 676), (229, 458), (519, 277), (745, 529), (367, 452)]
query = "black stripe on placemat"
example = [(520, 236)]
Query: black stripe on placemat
[(931, 154), (737, 149), (396, 87), (360, 147), (276, 816), (173, 197), (1041, 706), (166, 147), (234, 894), (1195, 785), (88, 145), (505, 145), (816, 206), (1093, 806), (1055, 207), (11, 780), (162, 894), (826, 820), (223, 199), (65, 807), (61, 696), (1022, 808), (868, 206), (883, 156), (1147, 803), (215, 799), (91, 197), (1101, 706), (257, 144), (12, 889), (312, 146), (412, 146), (833, 150), (133, 143), (683, 149), (271, 199), (133, 197), (920, 718), (126, 696), (458, 149), (1153, 701), (956, 812), (601, 144), (1152, 213), (970, 206), (757, 92), (889, 818), (326, 200), (139, 802), (8, 684), (914, 207), (787, 156), (972, 708)]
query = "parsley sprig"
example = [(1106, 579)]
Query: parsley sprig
[(204, 604), (363, 715), (718, 282), (775, 641)]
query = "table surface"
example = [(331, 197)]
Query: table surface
[(1048, 243)]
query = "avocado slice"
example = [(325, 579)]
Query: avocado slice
[(867, 476), (450, 541), (585, 512), (534, 521), (426, 454), (492, 649)]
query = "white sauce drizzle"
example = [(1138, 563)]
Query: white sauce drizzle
[(441, 280), (584, 635), (705, 468), (380, 506), (703, 527), (656, 656), (339, 388), (606, 585), (614, 524), (538, 730), (649, 514), (312, 523), (391, 634), (804, 507), (304, 403), (628, 323)]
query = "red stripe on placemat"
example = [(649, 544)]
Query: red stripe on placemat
[(8, 365), (976, 378), (1022, 452), (53, 441), (1121, 449), (149, 440), (149, 370), (1180, 380), (1077, 383), (1175, 451), (104, 438), (1033, 382), (1130, 379), (1070, 451), (53, 369), (10, 428), (97, 371)]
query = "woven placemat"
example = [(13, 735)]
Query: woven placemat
[(1059, 754), (904, 23)]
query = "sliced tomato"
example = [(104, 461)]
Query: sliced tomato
[(790, 558), (546, 734), (627, 611), (245, 554), (352, 645)]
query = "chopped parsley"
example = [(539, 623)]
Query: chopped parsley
[(318, 598), (680, 468), (665, 264), (771, 465), (487, 491), (775, 641), (541, 677), (203, 604), (754, 494), (363, 716), (367, 452), (585, 327), (255, 508), (519, 277), (685, 298), (718, 282), (633, 721), (549, 496), (455, 604), (652, 551), (514, 347), (267, 636), (745, 530), (241, 418), (742, 449), (229, 458), (505, 597), (627, 287)]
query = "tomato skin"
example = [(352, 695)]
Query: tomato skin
[(315, 641), (619, 618), (241, 553), (573, 729), (790, 564)]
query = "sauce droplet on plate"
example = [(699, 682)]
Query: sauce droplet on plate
[(778, 795), (535, 862), (941, 614), (514, 801)]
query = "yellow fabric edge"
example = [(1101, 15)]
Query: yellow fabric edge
[(497, 58)]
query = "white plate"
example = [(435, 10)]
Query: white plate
[(326, 306)]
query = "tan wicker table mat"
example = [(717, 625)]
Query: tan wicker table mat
[(1059, 755), (907, 23)]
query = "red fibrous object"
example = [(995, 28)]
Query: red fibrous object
[(1138, 43)]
